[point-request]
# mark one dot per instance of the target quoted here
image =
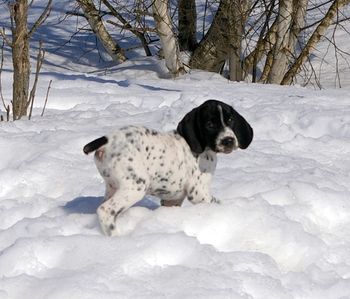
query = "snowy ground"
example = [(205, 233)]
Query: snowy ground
[(282, 230)]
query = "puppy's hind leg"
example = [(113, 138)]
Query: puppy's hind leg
[(120, 201), (111, 189)]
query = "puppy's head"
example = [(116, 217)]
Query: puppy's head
[(217, 126)]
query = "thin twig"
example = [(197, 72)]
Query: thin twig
[(46, 98), (7, 108), (5, 38), (39, 62)]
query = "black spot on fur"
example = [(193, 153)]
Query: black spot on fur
[(105, 173), (161, 191), (116, 214), (129, 134), (140, 180), (130, 159)]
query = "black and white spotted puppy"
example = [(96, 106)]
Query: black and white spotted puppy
[(135, 161)]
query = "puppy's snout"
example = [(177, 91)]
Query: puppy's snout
[(227, 142)]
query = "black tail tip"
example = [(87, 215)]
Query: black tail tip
[(94, 145), (86, 149)]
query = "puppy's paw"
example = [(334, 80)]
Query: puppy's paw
[(107, 221)]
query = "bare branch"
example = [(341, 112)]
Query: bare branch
[(7, 107), (132, 29), (314, 39), (39, 62), (127, 26), (41, 19), (5, 38), (46, 98), (94, 18)]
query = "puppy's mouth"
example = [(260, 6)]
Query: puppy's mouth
[(224, 150)]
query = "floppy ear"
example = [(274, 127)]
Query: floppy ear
[(242, 130), (188, 129)]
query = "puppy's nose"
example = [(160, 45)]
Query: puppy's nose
[(228, 141)]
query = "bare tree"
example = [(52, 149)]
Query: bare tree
[(265, 41), (223, 39), (313, 40), (19, 44), (169, 42), (92, 14)]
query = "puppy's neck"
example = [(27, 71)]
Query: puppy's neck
[(207, 161)]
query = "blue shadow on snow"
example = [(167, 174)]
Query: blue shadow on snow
[(89, 204)]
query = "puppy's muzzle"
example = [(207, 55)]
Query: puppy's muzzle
[(228, 142), (227, 145)]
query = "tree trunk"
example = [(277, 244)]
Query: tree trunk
[(298, 22), (93, 17), (187, 25), (168, 40), (223, 40), (20, 59), (212, 51), (280, 49), (237, 20)]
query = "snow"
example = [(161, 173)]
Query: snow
[(282, 229)]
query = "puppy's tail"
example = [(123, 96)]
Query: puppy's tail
[(94, 145)]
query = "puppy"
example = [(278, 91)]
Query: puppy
[(136, 161)]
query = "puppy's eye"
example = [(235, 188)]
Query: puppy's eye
[(230, 120)]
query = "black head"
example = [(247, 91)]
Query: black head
[(217, 126)]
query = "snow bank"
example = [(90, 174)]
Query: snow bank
[(280, 232)]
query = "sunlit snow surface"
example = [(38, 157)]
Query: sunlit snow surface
[(281, 231)]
